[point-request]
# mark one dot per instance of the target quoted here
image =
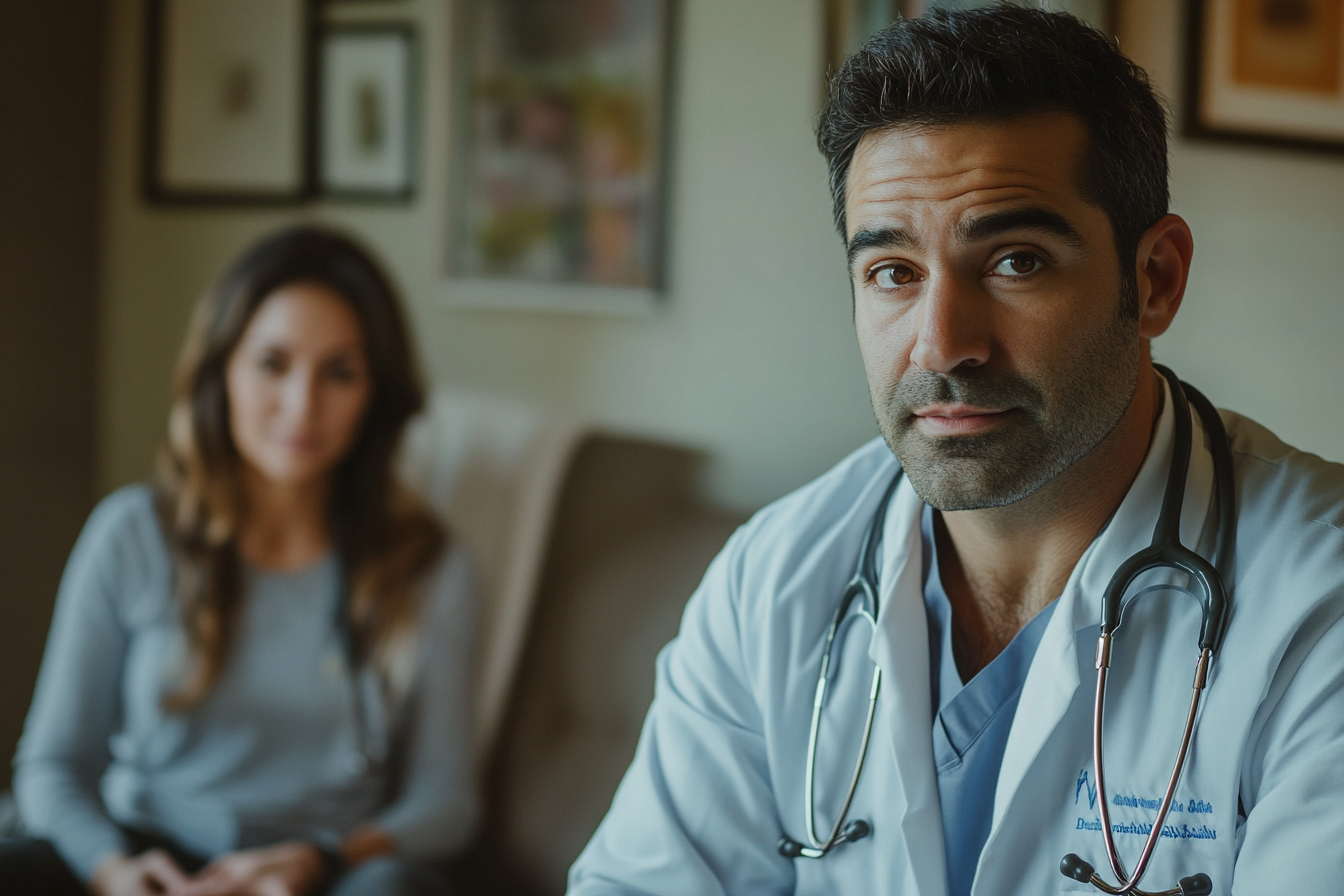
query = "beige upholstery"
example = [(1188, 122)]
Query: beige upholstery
[(588, 546), (629, 546), (493, 468)]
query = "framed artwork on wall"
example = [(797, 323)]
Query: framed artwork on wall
[(228, 101), (1267, 72), (367, 112), (850, 22), (557, 185)]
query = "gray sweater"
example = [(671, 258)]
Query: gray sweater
[(272, 752)]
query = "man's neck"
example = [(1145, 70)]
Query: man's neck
[(1001, 566)]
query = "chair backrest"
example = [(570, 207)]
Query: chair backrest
[(629, 543), (493, 468)]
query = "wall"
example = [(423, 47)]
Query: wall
[(751, 356), (50, 96), (1260, 330)]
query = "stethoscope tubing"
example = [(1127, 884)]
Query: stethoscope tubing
[(1166, 551), (862, 585)]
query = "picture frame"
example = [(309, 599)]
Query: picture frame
[(1266, 73), (558, 162), (850, 22), (368, 112), (228, 102)]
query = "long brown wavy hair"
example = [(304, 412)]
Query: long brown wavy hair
[(385, 539)]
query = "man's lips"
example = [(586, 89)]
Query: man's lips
[(950, 420)]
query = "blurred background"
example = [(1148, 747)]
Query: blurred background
[(742, 351)]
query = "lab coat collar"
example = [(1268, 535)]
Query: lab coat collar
[(901, 649)]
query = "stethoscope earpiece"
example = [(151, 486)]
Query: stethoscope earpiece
[(1073, 866), (1196, 885), (792, 849), (856, 830)]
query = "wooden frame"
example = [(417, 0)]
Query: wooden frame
[(1265, 73), (228, 110), (368, 112)]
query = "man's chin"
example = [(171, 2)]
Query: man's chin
[(967, 483)]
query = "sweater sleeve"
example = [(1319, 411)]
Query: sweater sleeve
[(435, 808), (77, 703)]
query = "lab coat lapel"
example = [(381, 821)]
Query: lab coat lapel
[(902, 652), (1053, 677)]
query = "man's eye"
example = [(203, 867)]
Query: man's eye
[(272, 362), (1019, 264), (894, 275)]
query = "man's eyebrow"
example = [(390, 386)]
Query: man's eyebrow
[(884, 238), (1038, 219)]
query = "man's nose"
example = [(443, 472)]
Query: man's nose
[(953, 328)]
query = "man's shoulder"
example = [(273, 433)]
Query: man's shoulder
[(1299, 486)]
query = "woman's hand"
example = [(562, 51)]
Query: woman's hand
[(152, 873), (286, 869)]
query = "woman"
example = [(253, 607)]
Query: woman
[(257, 675)]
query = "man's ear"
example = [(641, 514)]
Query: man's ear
[(1162, 267)]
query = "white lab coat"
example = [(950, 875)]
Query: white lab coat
[(719, 771)]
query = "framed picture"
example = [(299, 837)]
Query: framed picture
[(1267, 72), (850, 22), (558, 157), (228, 101), (367, 111)]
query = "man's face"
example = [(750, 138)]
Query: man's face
[(988, 305)]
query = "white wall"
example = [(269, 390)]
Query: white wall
[(751, 356), (1262, 327)]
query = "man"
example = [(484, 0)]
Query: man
[(1000, 181)]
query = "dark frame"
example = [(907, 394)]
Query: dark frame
[(154, 190), (414, 96), (1196, 128)]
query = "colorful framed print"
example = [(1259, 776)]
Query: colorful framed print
[(558, 153)]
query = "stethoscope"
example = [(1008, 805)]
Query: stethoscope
[(863, 587), (1165, 552)]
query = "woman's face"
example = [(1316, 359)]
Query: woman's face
[(298, 384)]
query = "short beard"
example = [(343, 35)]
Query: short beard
[(1053, 423)]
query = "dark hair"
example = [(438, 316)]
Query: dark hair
[(385, 539), (1001, 62)]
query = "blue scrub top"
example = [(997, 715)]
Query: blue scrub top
[(971, 723)]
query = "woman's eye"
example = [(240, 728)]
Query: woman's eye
[(343, 370), (1019, 264), (272, 362), (893, 276)]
